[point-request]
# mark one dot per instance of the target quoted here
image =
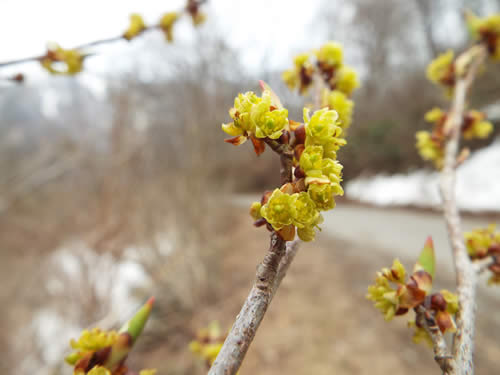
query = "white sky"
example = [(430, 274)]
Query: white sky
[(258, 27)]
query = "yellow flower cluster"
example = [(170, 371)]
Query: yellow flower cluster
[(100, 352), (90, 341), (486, 30), (474, 125), (429, 148), (296, 207), (441, 70), (72, 59), (327, 64), (385, 297), (208, 343), (431, 145), (301, 74), (479, 241), (256, 117), (330, 55), (484, 243), (394, 294)]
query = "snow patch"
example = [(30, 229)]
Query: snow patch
[(478, 185)]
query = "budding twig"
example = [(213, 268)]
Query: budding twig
[(269, 275), (466, 275), (95, 43), (441, 354)]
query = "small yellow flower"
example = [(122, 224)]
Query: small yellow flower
[(255, 210), (321, 128), (430, 149), (396, 274), (475, 126), (434, 115), (136, 26), (323, 195), (278, 211), (208, 343), (384, 296), (240, 113), (346, 80), (339, 102), (291, 78), (311, 161), (441, 69), (90, 341), (486, 30), (72, 59), (267, 122), (330, 54), (420, 335), (301, 74), (167, 24), (479, 241), (305, 213), (451, 301)]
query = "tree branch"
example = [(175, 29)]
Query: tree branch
[(95, 43), (291, 250), (441, 354), (269, 275), (466, 276)]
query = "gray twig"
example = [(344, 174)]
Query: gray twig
[(269, 275), (466, 276), (441, 354)]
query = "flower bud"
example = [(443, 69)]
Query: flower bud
[(300, 134), (285, 137), (299, 173), (438, 302)]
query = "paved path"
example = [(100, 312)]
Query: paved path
[(392, 231)]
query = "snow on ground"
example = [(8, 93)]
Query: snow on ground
[(478, 185)]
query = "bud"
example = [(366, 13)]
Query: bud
[(438, 302), (136, 27), (299, 173), (300, 134)]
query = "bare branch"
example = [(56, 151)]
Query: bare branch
[(482, 265), (441, 354), (291, 250), (95, 43), (466, 276), (269, 275), (248, 320)]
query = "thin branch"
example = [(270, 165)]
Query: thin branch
[(482, 265), (441, 354), (466, 276), (267, 280), (291, 250), (82, 47)]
